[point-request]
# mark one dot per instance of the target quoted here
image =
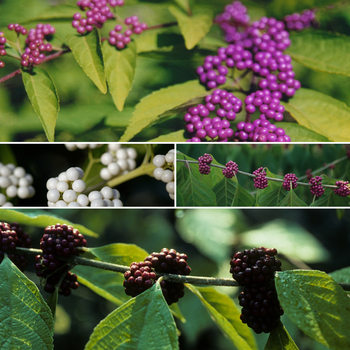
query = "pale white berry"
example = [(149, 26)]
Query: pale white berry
[(19, 172), (105, 174), (69, 196), (113, 168), (117, 203), (169, 157), (131, 164), (94, 195), (31, 191), (106, 158), (132, 153), (5, 170), (157, 173), (4, 182), (11, 191), (167, 176), (73, 204), (53, 195), (114, 146), (82, 145), (51, 183), (170, 187), (23, 182), (29, 179), (11, 167), (61, 204), (107, 203), (51, 204), (159, 160), (79, 185), (62, 176), (72, 174), (123, 164), (83, 200), (171, 195), (107, 192), (97, 203), (116, 194), (8, 204), (2, 199), (121, 153), (14, 180), (23, 192), (62, 186), (95, 145), (71, 146), (81, 172)]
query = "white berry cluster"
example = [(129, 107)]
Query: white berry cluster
[(162, 173), (16, 182), (73, 146), (66, 191), (118, 161)]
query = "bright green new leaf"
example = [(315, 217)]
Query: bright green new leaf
[(149, 109), (43, 96), (280, 339), (317, 305), (120, 67), (87, 52), (40, 218), (322, 51), (26, 321), (184, 4), (342, 275), (220, 307), (176, 136), (193, 28), (299, 133), (320, 113), (144, 322)]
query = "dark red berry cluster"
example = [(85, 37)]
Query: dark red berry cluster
[(12, 236), (260, 180), (141, 276), (231, 169), (343, 188), (316, 187), (203, 163), (255, 269), (58, 241), (290, 181)]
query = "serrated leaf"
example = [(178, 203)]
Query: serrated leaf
[(241, 338), (176, 136), (87, 52), (40, 218), (292, 200), (149, 109), (120, 67), (144, 322), (43, 96), (279, 339), (26, 321), (299, 133), (320, 113), (193, 28), (322, 51), (342, 275), (317, 305)]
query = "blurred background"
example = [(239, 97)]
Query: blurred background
[(316, 239)]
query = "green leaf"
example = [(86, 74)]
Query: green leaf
[(184, 4), (299, 133), (43, 96), (176, 136), (292, 200), (322, 51), (193, 28), (279, 339), (51, 302), (317, 305), (152, 106), (87, 52), (7, 156), (233, 328), (193, 191), (320, 113), (40, 218), (26, 321), (342, 275), (137, 325), (120, 67)]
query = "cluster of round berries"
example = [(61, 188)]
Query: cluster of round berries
[(231, 169), (17, 183), (74, 146), (12, 236), (2, 48), (255, 268), (343, 189), (58, 241), (260, 180), (118, 161), (66, 191), (203, 164), (164, 170), (316, 188), (290, 182), (98, 12), (301, 21), (142, 275), (199, 124), (133, 26)]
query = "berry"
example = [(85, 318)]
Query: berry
[(343, 189), (316, 188), (164, 170), (203, 164), (260, 180), (290, 181), (230, 170), (301, 21)]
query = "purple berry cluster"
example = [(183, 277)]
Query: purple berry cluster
[(301, 21), (97, 13), (290, 181), (231, 169), (58, 241), (2, 48), (343, 189), (142, 276), (199, 123), (203, 163), (133, 26), (316, 187), (260, 180), (12, 236), (255, 269)]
